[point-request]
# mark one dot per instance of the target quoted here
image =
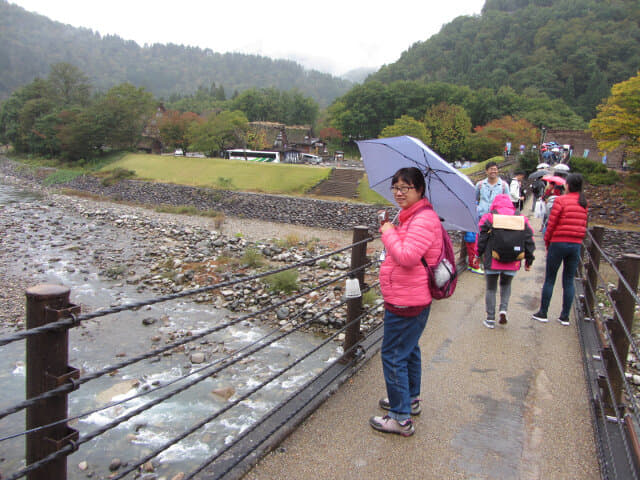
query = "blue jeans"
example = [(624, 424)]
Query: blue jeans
[(558, 253), (401, 361)]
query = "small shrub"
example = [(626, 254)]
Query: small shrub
[(253, 258), (218, 220), (323, 264), (286, 281), (369, 297), (224, 182), (593, 172), (117, 175)]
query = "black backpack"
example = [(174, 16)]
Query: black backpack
[(508, 236)]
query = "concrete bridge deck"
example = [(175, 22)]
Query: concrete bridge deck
[(508, 403)]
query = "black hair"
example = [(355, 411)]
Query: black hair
[(574, 182), (411, 176), (489, 165)]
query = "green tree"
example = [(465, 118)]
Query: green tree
[(174, 127), (449, 126), (68, 85), (122, 114), (617, 123), (219, 133), (406, 125)]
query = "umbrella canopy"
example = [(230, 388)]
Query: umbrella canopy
[(561, 167), (538, 173), (554, 179), (542, 165), (450, 192)]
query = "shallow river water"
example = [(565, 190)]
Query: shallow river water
[(49, 245)]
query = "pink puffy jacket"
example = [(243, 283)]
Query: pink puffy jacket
[(403, 277)]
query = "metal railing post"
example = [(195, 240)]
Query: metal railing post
[(47, 367), (591, 277), (629, 266), (354, 305)]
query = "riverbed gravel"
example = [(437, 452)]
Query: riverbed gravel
[(161, 253)]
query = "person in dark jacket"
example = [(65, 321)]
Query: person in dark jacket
[(566, 228), (494, 269)]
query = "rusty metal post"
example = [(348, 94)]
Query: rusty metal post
[(354, 305), (47, 367), (591, 277), (629, 266)]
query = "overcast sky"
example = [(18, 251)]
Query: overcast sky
[(332, 36)]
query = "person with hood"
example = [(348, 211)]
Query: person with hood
[(502, 216), (407, 298), (551, 192)]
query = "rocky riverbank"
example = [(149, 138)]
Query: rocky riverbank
[(160, 253)]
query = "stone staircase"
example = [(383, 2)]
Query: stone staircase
[(342, 182)]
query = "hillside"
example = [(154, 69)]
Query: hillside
[(30, 43), (570, 49)]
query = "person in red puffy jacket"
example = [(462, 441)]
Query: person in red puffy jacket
[(566, 228), (407, 299)]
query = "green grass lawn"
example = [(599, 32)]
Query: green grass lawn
[(221, 173), (366, 195)]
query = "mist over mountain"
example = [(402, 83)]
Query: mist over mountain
[(30, 43), (358, 75)]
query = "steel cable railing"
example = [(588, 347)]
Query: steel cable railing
[(176, 380), (76, 383), (228, 407), (610, 339), (619, 364), (76, 320), (86, 438), (618, 273)]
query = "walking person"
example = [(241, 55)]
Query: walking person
[(505, 239), (486, 192), (565, 231), (407, 299), (516, 191)]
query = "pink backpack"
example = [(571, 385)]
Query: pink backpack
[(443, 276)]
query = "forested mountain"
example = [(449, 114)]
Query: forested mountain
[(31, 43), (574, 50)]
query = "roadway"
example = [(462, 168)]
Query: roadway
[(508, 403)]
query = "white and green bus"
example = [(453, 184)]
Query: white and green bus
[(253, 155)]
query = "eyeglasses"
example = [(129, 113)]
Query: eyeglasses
[(403, 189)]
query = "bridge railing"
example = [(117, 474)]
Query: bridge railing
[(49, 437), (607, 310)]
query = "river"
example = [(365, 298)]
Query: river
[(49, 244)]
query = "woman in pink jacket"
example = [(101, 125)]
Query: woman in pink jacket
[(496, 271), (407, 299)]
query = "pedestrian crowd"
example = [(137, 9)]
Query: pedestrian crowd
[(503, 242)]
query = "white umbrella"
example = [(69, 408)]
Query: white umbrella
[(450, 192), (561, 167), (542, 165)]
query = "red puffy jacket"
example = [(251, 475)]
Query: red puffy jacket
[(567, 220)]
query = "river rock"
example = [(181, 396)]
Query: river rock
[(118, 389), (148, 321), (224, 392), (197, 357), (83, 465), (115, 464)]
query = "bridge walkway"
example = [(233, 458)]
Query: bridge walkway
[(508, 403)]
